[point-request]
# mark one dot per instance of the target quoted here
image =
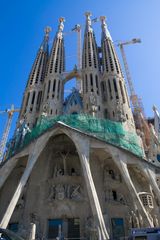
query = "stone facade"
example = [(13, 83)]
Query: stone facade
[(92, 188)]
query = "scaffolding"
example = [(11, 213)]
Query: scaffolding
[(106, 130)]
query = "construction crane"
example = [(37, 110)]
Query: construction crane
[(77, 28), (4, 139), (133, 96), (140, 120)]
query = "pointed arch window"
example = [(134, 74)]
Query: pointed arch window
[(122, 92), (104, 91), (91, 81), (106, 114), (58, 92), (86, 78), (44, 91), (110, 89), (105, 60), (49, 84), (97, 85), (54, 85), (115, 88), (27, 99), (94, 54), (127, 96), (115, 58), (39, 98), (33, 97)]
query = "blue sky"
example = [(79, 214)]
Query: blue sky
[(22, 24)]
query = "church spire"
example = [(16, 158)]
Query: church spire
[(37, 73), (45, 45), (33, 94), (105, 31), (56, 61), (90, 70), (115, 97), (90, 52), (53, 86)]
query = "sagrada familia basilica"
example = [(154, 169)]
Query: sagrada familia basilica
[(77, 167)]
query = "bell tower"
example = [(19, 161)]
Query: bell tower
[(114, 93), (53, 85), (90, 72), (32, 98)]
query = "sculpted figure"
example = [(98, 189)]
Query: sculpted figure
[(52, 193), (76, 192), (92, 99), (106, 174), (60, 172), (45, 109), (121, 199), (135, 220), (60, 192), (155, 221), (92, 230), (120, 112), (129, 220)]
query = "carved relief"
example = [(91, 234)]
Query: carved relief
[(65, 191), (76, 192), (60, 192)]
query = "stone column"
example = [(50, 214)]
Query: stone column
[(122, 166), (83, 148), (39, 146)]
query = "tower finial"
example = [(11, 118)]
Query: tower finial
[(104, 27), (47, 30), (88, 14), (103, 18), (61, 25), (88, 21), (44, 45)]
